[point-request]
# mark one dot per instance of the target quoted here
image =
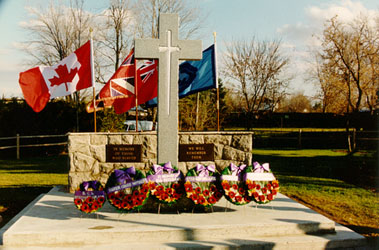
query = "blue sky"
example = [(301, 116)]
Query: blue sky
[(292, 21)]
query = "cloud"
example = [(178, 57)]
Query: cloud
[(303, 33), (346, 10), (302, 37)]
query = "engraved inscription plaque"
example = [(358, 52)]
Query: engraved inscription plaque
[(123, 153), (196, 152)]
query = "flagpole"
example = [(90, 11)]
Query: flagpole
[(93, 82), (136, 90), (217, 89)]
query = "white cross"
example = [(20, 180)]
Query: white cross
[(168, 49), (167, 54)]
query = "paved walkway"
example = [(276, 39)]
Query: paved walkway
[(53, 221)]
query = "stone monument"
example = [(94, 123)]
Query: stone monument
[(168, 49)]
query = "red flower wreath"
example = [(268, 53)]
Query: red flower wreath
[(165, 183), (201, 187), (127, 189), (233, 185), (261, 184), (89, 197)]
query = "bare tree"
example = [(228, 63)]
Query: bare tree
[(114, 36), (348, 66), (256, 70), (55, 32), (147, 14), (350, 60), (298, 102)]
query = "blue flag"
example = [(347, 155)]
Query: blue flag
[(195, 76)]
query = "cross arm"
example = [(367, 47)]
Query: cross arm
[(146, 48), (190, 49)]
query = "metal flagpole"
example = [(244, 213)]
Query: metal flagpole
[(93, 81), (136, 90), (217, 89)]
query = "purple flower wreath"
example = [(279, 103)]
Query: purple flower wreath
[(127, 189), (201, 185), (89, 197), (233, 185), (165, 183), (261, 184)]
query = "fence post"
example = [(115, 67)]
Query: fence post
[(18, 146), (300, 138)]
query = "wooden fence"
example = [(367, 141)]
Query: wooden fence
[(315, 139), (15, 142), (266, 138)]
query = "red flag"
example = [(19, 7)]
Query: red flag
[(119, 91), (120, 85), (42, 83), (147, 87)]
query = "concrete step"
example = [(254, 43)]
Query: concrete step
[(53, 220)]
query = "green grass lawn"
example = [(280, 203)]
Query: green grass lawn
[(21, 181), (341, 186)]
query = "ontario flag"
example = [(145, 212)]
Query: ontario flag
[(42, 83), (122, 88)]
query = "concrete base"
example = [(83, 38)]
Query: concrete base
[(54, 221)]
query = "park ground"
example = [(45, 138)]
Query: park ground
[(339, 185)]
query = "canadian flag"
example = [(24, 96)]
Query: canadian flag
[(42, 83)]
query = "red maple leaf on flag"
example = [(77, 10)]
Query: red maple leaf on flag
[(64, 76)]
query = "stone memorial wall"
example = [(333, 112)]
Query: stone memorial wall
[(94, 156)]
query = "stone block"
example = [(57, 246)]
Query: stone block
[(98, 152), (96, 139), (114, 139), (82, 163), (137, 165), (249, 159), (221, 164), (183, 139), (80, 147), (218, 139), (127, 139), (96, 170), (106, 168), (77, 138), (243, 142), (149, 146), (196, 139), (137, 139), (218, 148)]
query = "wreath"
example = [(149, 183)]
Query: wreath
[(165, 183), (261, 184), (89, 197), (233, 185), (201, 185), (127, 189)]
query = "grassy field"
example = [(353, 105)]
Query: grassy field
[(21, 181), (341, 186)]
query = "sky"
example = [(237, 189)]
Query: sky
[(296, 23)]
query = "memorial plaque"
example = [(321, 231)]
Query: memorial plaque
[(123, 153), (196, 152)]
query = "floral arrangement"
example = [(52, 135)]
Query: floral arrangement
[(165, 183), (261, 184), (201, 185), (89, 197), (233, 185), (127, 189)]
